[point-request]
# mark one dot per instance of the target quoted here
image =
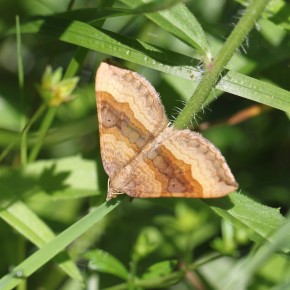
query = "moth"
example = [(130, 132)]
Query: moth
[(143, 155)]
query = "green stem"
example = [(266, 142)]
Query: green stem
[(70, 5), (7, 150), (23, 143), (24, 132), (76, 62), (214, 69), (81, 52), (21, 257), (132, 274), (19, 55), (42, 133), (34, 118)]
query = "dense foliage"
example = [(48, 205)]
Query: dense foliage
[(57, 231)]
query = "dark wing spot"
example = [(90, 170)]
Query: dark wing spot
[(108, 117), (175, 186)]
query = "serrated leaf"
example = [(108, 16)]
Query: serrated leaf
[(239, 209), (105, 262)]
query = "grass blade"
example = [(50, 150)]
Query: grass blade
[(133, 50), (26, 222), (180, 22), (47, 252)]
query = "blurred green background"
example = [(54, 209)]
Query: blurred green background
[(257, 149)]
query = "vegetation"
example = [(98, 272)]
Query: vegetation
[(57, 231)]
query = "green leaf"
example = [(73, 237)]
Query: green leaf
[(147, 242), (161, 275), (93, 15), (29, 225), (82, 34), (65, 178), (180, 22), (105, 262), (255, 90), (282, 18), (155, 5), (50, 250), (241, 210), (160, 269), (241, 274)]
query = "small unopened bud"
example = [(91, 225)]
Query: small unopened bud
[(53, 89)]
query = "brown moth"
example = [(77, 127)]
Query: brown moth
[(144, 156)]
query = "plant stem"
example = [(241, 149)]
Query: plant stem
[(70, 5), (214, 69), (75, 63), (34, 118), (21, 257), (23, 143), (42, 133), (7, 150), (25, 130), (132, 275)]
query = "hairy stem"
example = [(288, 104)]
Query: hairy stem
[(214, 69)]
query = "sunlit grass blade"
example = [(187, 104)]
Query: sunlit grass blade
[(154, 57), (255, 90), (50, 250), (180, 22), (26, 222)]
